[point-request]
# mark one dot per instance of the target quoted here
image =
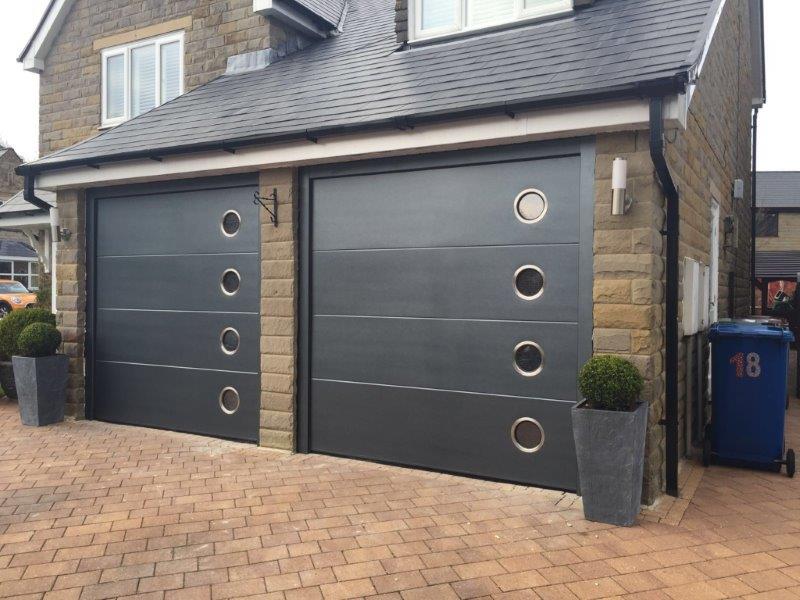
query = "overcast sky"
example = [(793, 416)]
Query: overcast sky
[(779, 121)]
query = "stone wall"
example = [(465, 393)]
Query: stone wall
[(10, 182), (69, 92), (788, 235), (71, 301), (279, 312), (628, 276)]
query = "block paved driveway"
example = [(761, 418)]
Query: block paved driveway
[(90, 510)]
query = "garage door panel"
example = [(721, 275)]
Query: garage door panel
[(177, 282), (178, 399), (177, 223), (177, 339), (462, 433), (457, 206), (475, 356), (466, 283)]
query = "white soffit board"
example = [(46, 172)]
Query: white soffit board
[(32, 58), (556, 123)]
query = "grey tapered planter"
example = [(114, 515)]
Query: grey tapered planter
[(41, 388), (610, 450)]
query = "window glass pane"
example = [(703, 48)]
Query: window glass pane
[(484, 12), (543, 6), (766, 224), (143, 79), (34, 283), (115, 86), (34, 267), (437, 13), (23, 279), (21, 267), (170, 71), (5, 268)]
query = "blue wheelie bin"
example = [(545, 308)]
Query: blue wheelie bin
[(749, 363)]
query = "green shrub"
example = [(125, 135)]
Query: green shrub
[(44, 295), (610, 383), (39, 339), (12, 325)]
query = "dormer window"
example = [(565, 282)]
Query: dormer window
[(141, 76), (433, 18)]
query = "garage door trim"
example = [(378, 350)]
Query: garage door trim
[(584, 148)]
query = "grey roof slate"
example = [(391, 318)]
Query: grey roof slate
[(17, 203), (778, 189), (16, 249), (777, 265), (330, 10), (363, 79)]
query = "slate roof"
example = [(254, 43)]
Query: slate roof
[(777, 265), (17, 204), (362, 79), (16, 249), (778, 189), (330, 10)]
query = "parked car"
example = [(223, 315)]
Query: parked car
[(14, 296)]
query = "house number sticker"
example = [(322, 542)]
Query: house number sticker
[(749, 366)]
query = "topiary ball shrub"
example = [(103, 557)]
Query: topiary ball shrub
[(39, 339), (12, 325), (610, 383)]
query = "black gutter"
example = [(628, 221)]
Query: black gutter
[(660, 87), (672, 233), (29, 194), (753, 213)]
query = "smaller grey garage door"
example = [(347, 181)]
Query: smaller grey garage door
[(449, 309), (176, 307)]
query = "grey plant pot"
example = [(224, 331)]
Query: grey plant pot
[(42, 388), (610, 450)]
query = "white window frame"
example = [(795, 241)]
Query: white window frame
[(12, 274), (521, 15), (125, 50)]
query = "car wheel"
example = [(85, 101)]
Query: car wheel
[(4, 310)]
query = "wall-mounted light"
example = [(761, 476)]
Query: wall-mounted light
[(64, 234), (738, 189), (620, 201)]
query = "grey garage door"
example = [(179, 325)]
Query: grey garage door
[(447, 310), (175, 307)]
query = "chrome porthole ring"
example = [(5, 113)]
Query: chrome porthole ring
[(229, 400), (231, 223), (225, 347), (521, 447), (538, 349), (524, 212), (225, 274), (519, 272)]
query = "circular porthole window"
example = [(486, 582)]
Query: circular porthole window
[(528, 359), (229, 400), (527, 435), (229, 340), (231, 222), (530, 206), (231, 281), (529, 282)]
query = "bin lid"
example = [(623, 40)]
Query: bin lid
[(751, 329)]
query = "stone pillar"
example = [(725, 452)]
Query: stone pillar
[(71, 301), (279, 313), (628, 276)]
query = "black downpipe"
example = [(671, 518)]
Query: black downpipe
[(672, 234), (30, 196), (753, 212)]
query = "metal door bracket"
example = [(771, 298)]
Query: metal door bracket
[(272, 199)]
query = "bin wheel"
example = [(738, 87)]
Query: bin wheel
[(790, 462)]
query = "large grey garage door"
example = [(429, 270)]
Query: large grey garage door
[(448, 309), (175, 307)]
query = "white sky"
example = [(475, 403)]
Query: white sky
[(779, 121)]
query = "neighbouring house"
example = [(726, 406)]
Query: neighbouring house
[(383, 229), (777, 235), (10, 182)]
